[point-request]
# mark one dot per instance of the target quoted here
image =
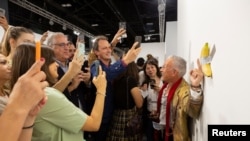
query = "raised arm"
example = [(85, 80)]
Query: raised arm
[(116, 38), (74, 68), (94, 120), (27, 94)]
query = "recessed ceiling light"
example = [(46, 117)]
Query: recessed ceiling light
[(64, 27), (51, 22), (76, 32), (95, 25), (66, 5), (149, 23)]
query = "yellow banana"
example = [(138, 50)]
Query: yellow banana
[(206, 67)]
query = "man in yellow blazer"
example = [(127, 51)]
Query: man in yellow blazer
[(177, 100)]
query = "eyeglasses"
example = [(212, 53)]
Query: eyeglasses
[(62, 44)]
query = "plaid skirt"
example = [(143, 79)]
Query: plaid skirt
[(117, 129)]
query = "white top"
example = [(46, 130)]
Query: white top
[(162, 116), (152, 97)]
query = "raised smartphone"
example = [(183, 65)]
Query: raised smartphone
[(123, 25), (2, 12), (81, 38), (138, 39), (97, 64), (81, 48), (152, 83), (81, 45), (85, 65)]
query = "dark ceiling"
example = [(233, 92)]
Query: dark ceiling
[(96, 17)]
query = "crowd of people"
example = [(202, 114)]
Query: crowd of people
[(64, 96)]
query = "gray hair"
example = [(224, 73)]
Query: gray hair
[(51, 41), (179, 64)]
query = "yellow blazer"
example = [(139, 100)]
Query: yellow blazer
[(182, 107)]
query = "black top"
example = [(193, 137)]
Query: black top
[(82, 93), (120, 93)]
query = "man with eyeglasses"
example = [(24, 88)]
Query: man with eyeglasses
[(69, 70)]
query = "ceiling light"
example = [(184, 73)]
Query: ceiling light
[(51, 22), (149, 23), (66, 5), (76, 32), (95, 25), (147, 37), (64, 27)]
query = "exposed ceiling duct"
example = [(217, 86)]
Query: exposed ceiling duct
[(162, 11), (146, 18), (29, 6)]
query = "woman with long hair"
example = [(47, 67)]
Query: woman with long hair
[(59, 119), (127, 99), (150, 89)]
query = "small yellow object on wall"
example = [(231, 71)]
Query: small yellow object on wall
[(206, 58)]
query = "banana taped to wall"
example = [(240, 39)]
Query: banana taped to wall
[(206, 59)]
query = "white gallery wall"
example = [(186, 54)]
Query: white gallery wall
[(156, 49), (224, 24), (162, 49), (171, 38)]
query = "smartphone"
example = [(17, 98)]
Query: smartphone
[(81, 38), (2, 12), (152, 83), (97, 64), (123, 25), (138, 39), (85, 65), (81, 48)]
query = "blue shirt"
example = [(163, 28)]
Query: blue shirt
[(112, 71)]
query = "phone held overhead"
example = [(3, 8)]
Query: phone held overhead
[(138, 39), (2, 12), (81, 44)]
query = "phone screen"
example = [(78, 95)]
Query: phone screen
[(138, 39), (152, 83), (81, 48), (123, 25), (81, 38), (97, 64), (2, 12)]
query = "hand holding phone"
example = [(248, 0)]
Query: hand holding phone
[(123, 25), (85, 65), (152, 83), (138, 39)]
